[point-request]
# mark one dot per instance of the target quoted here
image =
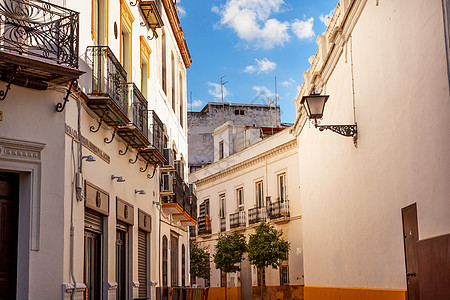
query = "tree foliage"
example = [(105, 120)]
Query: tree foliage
[(230, 251), (199, 258), (266, 247)]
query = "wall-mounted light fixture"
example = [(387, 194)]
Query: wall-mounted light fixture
[(314, 105), (157, 203), (140, 192), (88, 158), (119, 178)]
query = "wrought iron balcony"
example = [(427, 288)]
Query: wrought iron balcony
[(223, 224), (109, 95), (237, 219), (256, 215), (192, 231), (136, 133), (154, 152), (204, 225), (194, 206), (279, 209), (38, 43)]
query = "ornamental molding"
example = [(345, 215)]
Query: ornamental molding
[(20, 150), (248, 163), (126, 15)]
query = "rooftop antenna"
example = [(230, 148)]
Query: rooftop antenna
[(221, 91)]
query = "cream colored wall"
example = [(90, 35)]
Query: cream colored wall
[(246, 177), (352, 197)]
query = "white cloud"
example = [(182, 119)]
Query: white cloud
[(250, 20), (262, 66), (326, 18), (303, 29), (181, 11), (288, 82), (262, 91), (215, 91), (196, 103)]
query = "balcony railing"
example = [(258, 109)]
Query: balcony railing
[(40, 29), (156, 135), (109, 78), (204, 225), (256, 215), (192, 231), (279, 209), (223, 224), (237, 219), (139, 107), (194, 207)]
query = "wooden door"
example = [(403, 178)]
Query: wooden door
[(410, 241), (174, 260), (121, 265), (9, 215)]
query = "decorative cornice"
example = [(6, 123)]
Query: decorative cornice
[(145, 53), (249, 162), (126, 15), (23, 150), (171, 12)]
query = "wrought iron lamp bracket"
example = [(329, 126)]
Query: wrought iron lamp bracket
[(112, 137), (133, 162), (4, 93), (345, 130), (60, 106)]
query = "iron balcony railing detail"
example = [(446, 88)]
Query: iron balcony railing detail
[(139, 108), (237, 219), (40, 29), (194, 207), (279, 209), (192, 231), (256, 215), (156, 135), (109, 78), (204, 225), (223, 224)]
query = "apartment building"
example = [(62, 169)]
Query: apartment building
[(375, 192), (93, 104), (239, 192), (261, 120)]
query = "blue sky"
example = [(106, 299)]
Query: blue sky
[(250, 41)]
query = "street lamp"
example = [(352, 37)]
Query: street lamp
[(315, 105)]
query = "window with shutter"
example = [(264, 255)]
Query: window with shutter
[(142, 262)]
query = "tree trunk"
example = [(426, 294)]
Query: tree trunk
[(261, 272), (226, 286)]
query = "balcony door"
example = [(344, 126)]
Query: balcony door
[(93, 232), (9, 215), (174, 260), (121, 260)]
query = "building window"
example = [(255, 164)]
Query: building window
[(284, 271), (93, 235), (241, 112), (221, 154), (180, 90), (164, 261), (121, 259), (259, 194), (183, 265), (163, 63), (172, 62), (240, 198), (126, 24), (99, 30), (222, 211), (282, 193), (144, 79)]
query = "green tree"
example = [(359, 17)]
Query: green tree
[(199, 258), (266, 248), (230, 249)]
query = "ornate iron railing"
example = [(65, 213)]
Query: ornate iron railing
[(256, 215), (223, 224), (156, 135), (109, 78), (237, 219), (279, 209), (40, 29), (138, 108), (192, 231), (194, 207), (204, 225)]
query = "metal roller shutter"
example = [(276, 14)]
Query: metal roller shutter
[(93, 221), (142, 262)]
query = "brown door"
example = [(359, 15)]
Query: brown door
[(9, 215), (174, 260), (121, 263), (410, 240)]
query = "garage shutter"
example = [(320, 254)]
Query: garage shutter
[(142, 262)]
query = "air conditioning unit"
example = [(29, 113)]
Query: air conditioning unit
[(166, 184), (179, 167), (168, 156)]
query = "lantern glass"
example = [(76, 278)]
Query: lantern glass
[(315, 105)]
